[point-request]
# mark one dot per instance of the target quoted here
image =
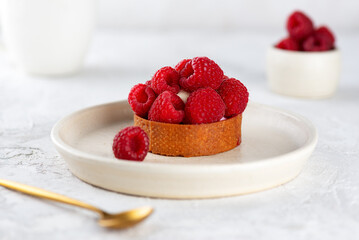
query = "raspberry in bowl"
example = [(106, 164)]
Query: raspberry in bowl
[(306, 63), (195, 110)]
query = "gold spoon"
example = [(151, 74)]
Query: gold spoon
[(120, 220)]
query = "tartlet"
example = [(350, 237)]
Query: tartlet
[(189, 140), (190, 110)]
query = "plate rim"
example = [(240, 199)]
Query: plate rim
[(310, 143)]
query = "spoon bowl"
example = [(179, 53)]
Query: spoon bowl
[(125, 219)]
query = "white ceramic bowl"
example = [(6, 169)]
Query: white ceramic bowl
[(303, 74), (47, 37)]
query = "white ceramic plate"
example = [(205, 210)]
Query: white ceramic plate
[(275, 146)]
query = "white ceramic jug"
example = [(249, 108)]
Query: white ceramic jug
[(47, 37)]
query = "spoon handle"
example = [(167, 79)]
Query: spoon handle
[(37, 192)]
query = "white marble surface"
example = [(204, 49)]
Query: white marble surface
[(322, 203)]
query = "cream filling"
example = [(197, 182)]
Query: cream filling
[(183, 95)]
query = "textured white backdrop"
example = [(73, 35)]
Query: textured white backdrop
[(224, 14)]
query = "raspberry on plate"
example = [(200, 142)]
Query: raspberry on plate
[(299, 25), (200, 72), (141, 98), (165, 79), (234, 95), (204, 106), (168, 108), (131, 143), (288, 44)]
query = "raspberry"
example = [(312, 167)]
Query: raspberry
[(141, 98), (316, 43), (131, 143), (165, 79), (167, 107), (326, 34), (198, 73), (148, 83), (288, 44), (234, 95), (299, 26), (181, 65), (204, 106)]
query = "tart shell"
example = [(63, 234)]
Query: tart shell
[(189, 140)]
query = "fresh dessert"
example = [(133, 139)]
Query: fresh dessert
[(190, 110), (303, 36)]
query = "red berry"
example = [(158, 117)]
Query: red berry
[(204, 106), (182, 64), (234, 95), (131, 143), (141, 98), (325, 33), (288, 44), (198, 73), (167, 107), (299, 25), (148, 83), (165, 79), (316, 43)]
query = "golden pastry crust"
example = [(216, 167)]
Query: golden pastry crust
[(191, 140)]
